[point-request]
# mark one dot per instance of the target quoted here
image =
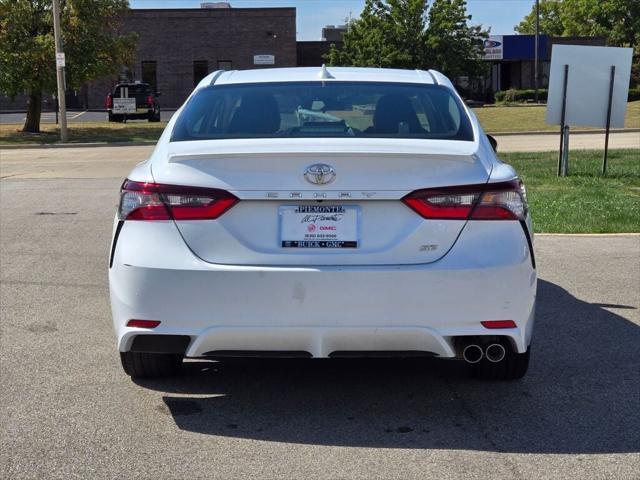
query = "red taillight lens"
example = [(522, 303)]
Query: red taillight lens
[(109, 101), (491, 201), (143, 323), (153, 201), (150, 100), (499, 324)]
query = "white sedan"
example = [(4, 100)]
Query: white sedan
[(323, 212)]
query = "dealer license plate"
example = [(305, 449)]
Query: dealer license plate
[(319, 226)]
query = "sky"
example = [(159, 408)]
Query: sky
[(312, 15)]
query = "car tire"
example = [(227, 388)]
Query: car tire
[(116, 118), (151, 365), (512, 367)]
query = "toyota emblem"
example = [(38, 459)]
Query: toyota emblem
[(320, 174)]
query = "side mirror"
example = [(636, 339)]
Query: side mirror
[(493, 142)]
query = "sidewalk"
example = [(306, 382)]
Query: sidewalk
[(581, 141)]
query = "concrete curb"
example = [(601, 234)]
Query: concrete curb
[(629, 234), (572, 132), (28, 146)]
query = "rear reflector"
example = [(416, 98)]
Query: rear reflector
[(153, 201), (143, 323), (499, 324), (487, 201)]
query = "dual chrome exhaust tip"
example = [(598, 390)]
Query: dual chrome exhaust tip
[(494, 352)]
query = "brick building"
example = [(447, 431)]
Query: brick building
[(177, 47)]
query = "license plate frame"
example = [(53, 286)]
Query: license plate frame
[(319, 226)]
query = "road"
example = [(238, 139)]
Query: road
[(68, 411)]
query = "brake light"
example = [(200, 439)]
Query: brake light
[(109, 101), (150, 101), (153, 201), (490, 201)]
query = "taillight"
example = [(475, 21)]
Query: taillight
[(153, 201), (150, 101), (487, 201), (109, 101)]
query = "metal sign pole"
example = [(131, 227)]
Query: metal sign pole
[(535, 67), (564, 171), (60, 72), (125, 91), (606, 135), (561, 157)]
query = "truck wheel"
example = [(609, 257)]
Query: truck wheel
[(154, 116)]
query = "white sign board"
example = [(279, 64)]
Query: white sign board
[(264, 59), (124, 105), (493, 49), (588, 85), (60, 60)]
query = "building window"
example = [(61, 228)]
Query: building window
[(224, 65), (200, 70), (149, 75)]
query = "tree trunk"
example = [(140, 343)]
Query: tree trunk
[(34, 108)]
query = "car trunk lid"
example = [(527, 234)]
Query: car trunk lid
[(371, 178)]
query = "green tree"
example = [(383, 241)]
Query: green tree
[(387, 34), (400, 34), (616, 20), (91, 40), (455, 47), (551, 19)]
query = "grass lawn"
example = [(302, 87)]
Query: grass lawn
[(583, 202), (522, 118), (132, 131)]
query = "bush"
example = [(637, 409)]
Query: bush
[(520, 96)]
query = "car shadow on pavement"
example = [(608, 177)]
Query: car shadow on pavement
[(581, 394)]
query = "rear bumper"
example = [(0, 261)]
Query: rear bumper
[(488, 275)]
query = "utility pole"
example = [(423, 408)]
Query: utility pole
[(60, 63), (535, 67)]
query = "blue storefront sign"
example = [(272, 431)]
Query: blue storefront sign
[(515, 47)]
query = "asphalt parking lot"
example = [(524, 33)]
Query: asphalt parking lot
[(68, 410)]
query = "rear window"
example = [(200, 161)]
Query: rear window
[(323, 109), (133, 90)]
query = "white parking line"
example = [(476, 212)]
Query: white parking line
[(52, 115)]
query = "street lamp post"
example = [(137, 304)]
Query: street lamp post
[(535, 55), (60, 72)]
